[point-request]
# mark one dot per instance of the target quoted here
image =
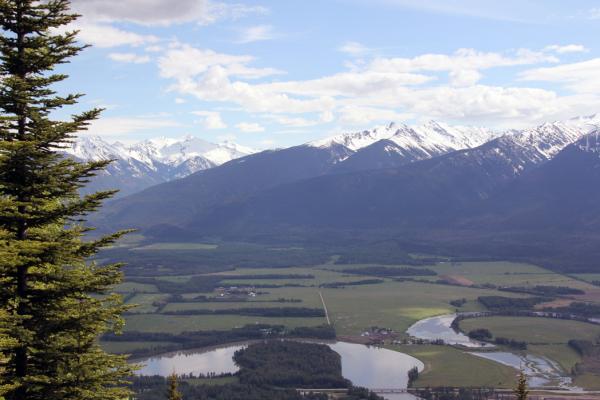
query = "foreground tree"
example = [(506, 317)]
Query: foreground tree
[(173, 393), (53, 304), (521, 391)]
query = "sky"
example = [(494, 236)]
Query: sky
[(276, 73)]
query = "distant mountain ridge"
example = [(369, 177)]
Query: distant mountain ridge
[(528, 194), (432, 137), (302, 176), (151, 162), (398, 144)]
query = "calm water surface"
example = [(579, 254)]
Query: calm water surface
[(369, 367), (439, 327)]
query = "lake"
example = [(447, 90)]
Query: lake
[(369, 367)]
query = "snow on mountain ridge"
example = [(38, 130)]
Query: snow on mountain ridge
[(168, 151), (428, 140), (150, 162), (434, 138)]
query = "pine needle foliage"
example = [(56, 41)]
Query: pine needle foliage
[(173, 393), (53, 302), (521, 391)]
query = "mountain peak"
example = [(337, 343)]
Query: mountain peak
[(152, 161), (429, 139)]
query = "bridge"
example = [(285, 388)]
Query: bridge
[(344, 390), (388, 390)]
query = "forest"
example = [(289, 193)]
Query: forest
[(271, 370)]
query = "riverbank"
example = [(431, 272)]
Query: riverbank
[(366, 366)]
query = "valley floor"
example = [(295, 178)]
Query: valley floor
[(362, 304)]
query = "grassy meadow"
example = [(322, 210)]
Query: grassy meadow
[(359, 301)]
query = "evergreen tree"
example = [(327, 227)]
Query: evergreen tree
[(173, 393), (53, 303), (521, 391)]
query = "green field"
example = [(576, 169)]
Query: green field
[(565, 356), (129, 287), (545, 337), (183, 323), (447, 366), (534, 330), (588, 381), (395, 305), (124, 347), (392, 304), (501, 273), (588, 277), (176, 246)]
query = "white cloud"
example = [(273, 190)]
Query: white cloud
[(256, 34), (154, 49), (484, 103), (296, 122), (212, 77), (129, 58), (211, 119), (594, 13), (506, 10), (569, 48), (105, 36), (462, 59), (361, 116), (163, 13), (122, 126), (464, 77), (581, 77), (250, 127), (179, 100), (380, 90), (350, 83), (184, 62), (354, 49)]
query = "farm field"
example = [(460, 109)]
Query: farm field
[(186, 323), (588, 277), (545, 337), (177, 246), (395, 305), (534, 330), (352, 309), (358, 297), (447, 366)]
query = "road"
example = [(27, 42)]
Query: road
[(325, 308)]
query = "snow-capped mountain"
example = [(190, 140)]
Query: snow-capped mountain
[(174, 152), (430, 139), (394, 145), (150, 162)]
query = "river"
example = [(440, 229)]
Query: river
[(440, 327), (541, 372), (369, 367)]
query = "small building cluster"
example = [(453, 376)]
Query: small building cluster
[(235, 291), (377, 335)]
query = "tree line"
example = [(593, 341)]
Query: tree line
[(199, 339), (270, 370)]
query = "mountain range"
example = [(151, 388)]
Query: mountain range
[(150, 162), (528, 193)]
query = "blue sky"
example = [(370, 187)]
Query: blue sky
[(279, 73)]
